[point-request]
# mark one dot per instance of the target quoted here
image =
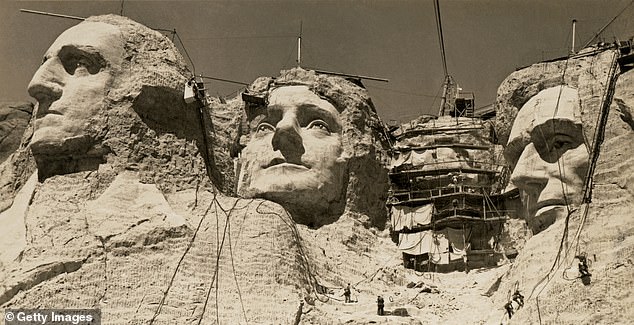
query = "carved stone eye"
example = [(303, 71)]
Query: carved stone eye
[(73, 59), (265, 127), (320, 125)]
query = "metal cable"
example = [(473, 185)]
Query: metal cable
[(608, 24), (441, 40)]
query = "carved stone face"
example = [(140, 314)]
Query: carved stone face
[(293, 157), (550, 159), (71, 85)]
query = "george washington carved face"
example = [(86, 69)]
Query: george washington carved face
[(71, 86), (294, 155), (549, 157), (100, 81)]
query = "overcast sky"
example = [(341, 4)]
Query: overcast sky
[(485, 40)]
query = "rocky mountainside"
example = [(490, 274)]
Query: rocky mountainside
[(153, 232), (15, 130), (144, 232), (14, 117), (546, 270)]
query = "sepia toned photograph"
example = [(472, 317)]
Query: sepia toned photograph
[(317, 162)]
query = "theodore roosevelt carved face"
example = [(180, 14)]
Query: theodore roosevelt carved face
[(294, 154), (549, 156)]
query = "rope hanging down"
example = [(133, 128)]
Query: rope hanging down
[(597, 140)]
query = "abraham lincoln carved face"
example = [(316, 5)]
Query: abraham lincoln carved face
[(549, 156)]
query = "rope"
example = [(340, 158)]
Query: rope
[(608, 24), (441, 40), (238, 37), (233, 267), (539, 313), (597, 139), (544, 138), (185, 50), (599, 131), (180, 261), (225, 80), (596, 142), (403, 92), (431, 107), (219, 247), (312, 279)]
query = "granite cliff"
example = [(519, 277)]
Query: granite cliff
[(140, 217), (546, 271)]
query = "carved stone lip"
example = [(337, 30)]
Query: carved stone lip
[(550, 203), (281, 162), (49, 112)]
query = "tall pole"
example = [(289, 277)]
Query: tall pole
[(51, 14), (574, 25), (299, 45)]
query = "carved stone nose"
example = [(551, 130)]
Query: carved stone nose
[(47, 82), (288, 140)]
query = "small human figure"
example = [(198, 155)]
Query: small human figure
[(509, 309), (298, 315), (346, 293), (518, 298), (583, 266), (379, 304)]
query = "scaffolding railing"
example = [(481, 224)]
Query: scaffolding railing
[(441, 145), (408, 195), (465, 124), (449, 166)]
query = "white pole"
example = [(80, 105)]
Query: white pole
[(574, 25), (51, 14), (299, 46)]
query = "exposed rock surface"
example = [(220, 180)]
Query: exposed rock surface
[(603, 230), (14, 118), (588, 74), (14, 168), (145, 234)]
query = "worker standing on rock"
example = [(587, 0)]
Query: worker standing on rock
[(379, 304), (346, 293)]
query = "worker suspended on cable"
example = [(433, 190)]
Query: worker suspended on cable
[(518, 298), (583, 266), (346, 293), (509, 309), (379, 305)]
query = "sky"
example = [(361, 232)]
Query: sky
[(485, 40)]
